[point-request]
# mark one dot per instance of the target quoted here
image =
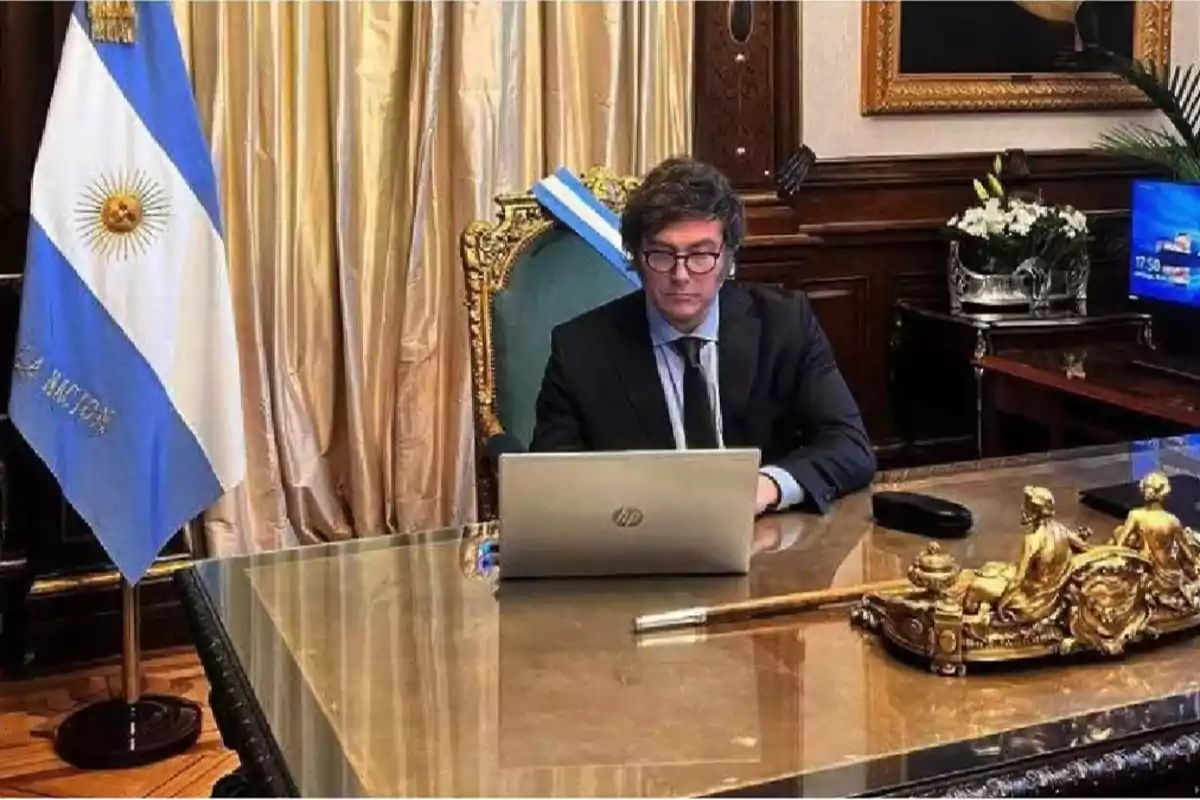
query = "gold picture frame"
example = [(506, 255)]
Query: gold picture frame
[(885, 90)]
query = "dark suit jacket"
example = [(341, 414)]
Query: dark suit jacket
[(780, 389)]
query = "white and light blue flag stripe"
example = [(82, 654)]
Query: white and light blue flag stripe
[(126, 379), (565, 197)]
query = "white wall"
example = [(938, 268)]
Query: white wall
[(832, 126)]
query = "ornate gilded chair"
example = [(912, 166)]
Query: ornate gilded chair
[(525, 274)]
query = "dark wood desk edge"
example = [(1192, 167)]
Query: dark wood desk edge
[(244, 729), (1149, 762), (1081, 388), (1161, 759)]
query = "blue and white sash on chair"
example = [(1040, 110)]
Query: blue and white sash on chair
[(565, 197)]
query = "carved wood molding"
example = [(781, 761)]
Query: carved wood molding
[(1146, 768), (746, 82), (239, 718), (902, 199), (940, 168)]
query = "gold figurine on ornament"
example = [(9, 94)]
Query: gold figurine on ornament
[(1158, 535), (1064, 594)]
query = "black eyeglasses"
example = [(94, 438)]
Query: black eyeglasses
[(664, 261)]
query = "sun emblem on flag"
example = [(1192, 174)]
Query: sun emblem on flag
[(121, 214)]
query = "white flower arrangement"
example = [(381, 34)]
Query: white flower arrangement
[(1006, 231), (1017, 218)]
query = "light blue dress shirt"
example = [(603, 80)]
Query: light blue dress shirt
[(670, 372)]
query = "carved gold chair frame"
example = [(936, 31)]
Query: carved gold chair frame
[(490, 250)]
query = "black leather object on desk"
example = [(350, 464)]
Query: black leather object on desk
[(1119, 499), (921, 514)]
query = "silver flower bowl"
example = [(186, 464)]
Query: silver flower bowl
[(1017, 288)]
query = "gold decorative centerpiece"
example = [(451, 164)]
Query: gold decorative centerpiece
[(1064, 595)]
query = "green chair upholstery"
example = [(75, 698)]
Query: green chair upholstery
[(525, 274), (559, 276)]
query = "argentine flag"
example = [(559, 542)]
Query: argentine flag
[(125, 380)]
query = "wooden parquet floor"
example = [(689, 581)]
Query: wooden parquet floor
[(30, 711)]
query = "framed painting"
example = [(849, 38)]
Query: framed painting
[(1003, 55)]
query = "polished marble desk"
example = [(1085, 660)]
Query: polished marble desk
[(393, 666)]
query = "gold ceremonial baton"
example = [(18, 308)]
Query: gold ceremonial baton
[(763, 606), (671, 638)]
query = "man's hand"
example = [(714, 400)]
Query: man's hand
[(768, 494)]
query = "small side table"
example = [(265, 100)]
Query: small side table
[(937, 384), (1080, 396)]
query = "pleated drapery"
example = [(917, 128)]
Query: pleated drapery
[(353, 142)]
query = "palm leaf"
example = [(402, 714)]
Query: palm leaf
[(1154, 146), (1176, 93)]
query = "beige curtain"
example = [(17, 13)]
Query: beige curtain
[(353, 142)]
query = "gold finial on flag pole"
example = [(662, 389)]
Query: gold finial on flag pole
[(113, 20)]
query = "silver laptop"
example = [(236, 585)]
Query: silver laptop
[(661, 512)]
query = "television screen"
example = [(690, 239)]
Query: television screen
[(1182, 453), (1164, 243)]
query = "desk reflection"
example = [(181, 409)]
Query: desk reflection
[(438, 680), (569, 664)]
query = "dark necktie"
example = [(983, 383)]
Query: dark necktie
[(698, 426)]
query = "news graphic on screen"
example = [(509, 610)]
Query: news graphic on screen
[(1177, 452), (1144, 457), (1164, 243)]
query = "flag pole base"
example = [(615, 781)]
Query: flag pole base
[(134, 729), (114, 734)]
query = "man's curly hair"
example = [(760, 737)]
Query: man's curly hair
[(681, 189)]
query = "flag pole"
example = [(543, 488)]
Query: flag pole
[(76, 404), (131, 638), (134, 729)]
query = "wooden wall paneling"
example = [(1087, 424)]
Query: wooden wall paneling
[(922, 286), (1109, 282), (839, 302), (31, 36), (880, 221), (746, 88), (882, 192), (842, 305), (848, 285)]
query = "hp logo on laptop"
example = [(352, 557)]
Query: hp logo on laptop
[(627, 517)]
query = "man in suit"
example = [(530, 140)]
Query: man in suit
[(697, 361)]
